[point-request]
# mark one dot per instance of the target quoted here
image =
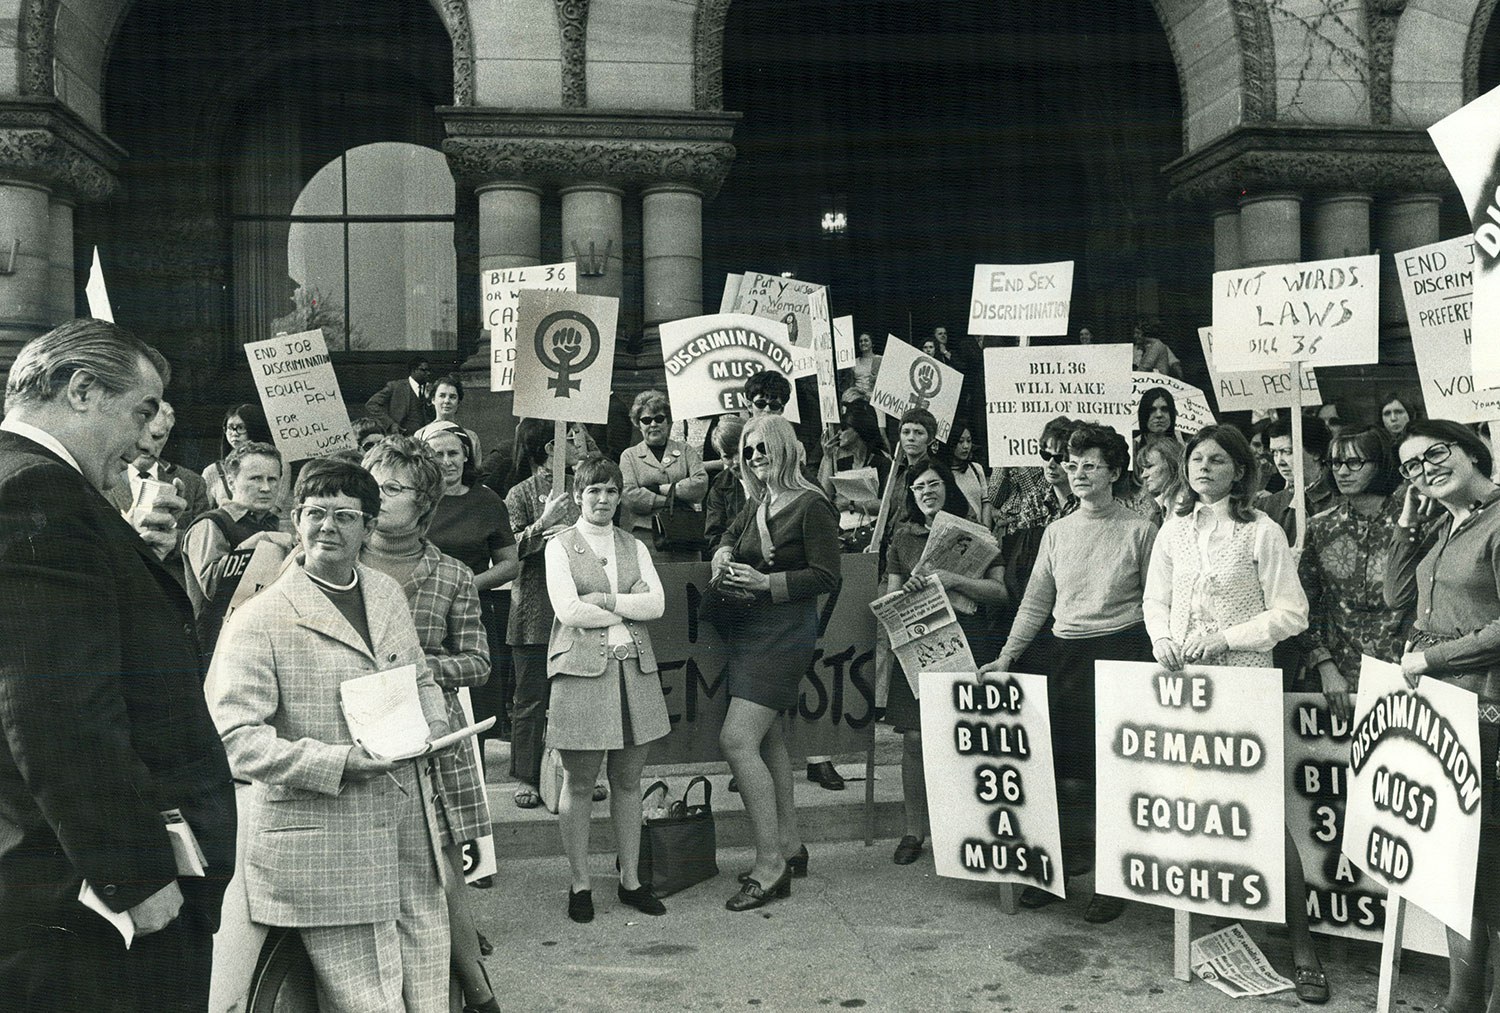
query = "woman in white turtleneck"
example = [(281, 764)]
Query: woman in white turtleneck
[(606, 698)]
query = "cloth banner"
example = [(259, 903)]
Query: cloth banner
[(1469, 142), (500, 294), (987, 754), (708, 359), (1025, 388), (300, 395), (1413, 817), (565, 355), (1437, 282), (1026, 300), (1321, 312), (836, 710), (909, 379), (1252, 389), (1341, 900), (1190, 811), (1193, 412)]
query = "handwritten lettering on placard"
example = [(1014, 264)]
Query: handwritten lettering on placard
[(1026, 387), (1324, 313), (1028, 300), (500, 299), (300, 395), (1267, 387), (1437, 283)]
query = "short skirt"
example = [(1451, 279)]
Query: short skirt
[(621, 707), (770, 650)]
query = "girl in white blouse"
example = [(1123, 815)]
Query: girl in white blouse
[(1222, 589), (606, 698)]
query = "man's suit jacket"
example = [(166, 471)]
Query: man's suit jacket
[(396, 405), (193, 490), (319, 851), (102, 709)]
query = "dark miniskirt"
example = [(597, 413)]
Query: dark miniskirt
[(770, 648)]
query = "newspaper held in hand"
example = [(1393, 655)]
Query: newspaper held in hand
[(185, 847), (959, 546), (1230, 961), (384, 715), (924, 632)]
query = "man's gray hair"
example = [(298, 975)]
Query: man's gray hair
[(108, 353)]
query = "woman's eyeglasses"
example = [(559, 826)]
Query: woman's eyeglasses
[(749, 450), (1347, 463), (1049, 456), (344, 517), (1082, 467), (768, 404), (236, 427), (394, 489), (1435, 454), (651, 420), (920, 487)]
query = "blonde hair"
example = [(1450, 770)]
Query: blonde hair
[(787, 458)]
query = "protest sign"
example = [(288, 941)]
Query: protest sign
[(1469, 142), (1322, 312), (835, 710), (923, 631), (708, 359), (1413, 816), (1189, 785), (788, 300), (987, 759), (97, 293), (1027, 300), (844, 351), (1252, 389), (909, 379), (500, 292), (476, 856), (1027, 387), (1193, 412), (731, 294), (1437, 283), (300, 395), (565, 355), (1341, 900), (822, 339)]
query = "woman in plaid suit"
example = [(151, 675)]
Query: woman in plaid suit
[(445, 607)]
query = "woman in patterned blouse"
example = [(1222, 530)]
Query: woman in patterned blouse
[(1343, 568)]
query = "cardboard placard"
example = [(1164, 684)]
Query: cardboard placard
[(500, 302), (844, 352), (731, 294), (1321, 312), (565, 355), (1469, 142), (987, 756), (1191, 814), (1413, 816), (1437, 283), (1251, 389), (1026, 300), (788, 300), (708, 359), (822, 338), (909, 379), (835, 711), (1341, 900), (1193, 412), (1025, 388), (300, 395)]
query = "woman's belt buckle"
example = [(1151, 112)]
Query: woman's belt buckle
[(622, 651)]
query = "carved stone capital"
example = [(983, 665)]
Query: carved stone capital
[(1255, 159), (559, 147), (43, 141)]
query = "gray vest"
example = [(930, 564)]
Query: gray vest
[(575, 650)]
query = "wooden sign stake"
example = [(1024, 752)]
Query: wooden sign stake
[(1390, 952), (559, 457), (1182, 938), (1299, 492)]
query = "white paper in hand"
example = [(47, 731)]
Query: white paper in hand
[(384, 713)]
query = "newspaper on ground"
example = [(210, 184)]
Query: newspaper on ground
[(1230, 961), (924, 632), (959, 546)]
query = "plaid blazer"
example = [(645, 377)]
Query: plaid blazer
[(318, 851), (445, 608)]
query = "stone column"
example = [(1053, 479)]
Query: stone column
[(1401, 223), (1226, 239), (1270, 229), (593, 234), (60, 282), (671, 253), (510, 235), (1340, 226), (25, 265)]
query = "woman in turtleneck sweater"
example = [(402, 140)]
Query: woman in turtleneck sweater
[(445, 607)]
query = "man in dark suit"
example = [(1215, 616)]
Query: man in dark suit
[(129, 492), (404, 404), (104, 722)]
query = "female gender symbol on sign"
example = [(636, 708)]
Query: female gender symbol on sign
[(926, 381), (559, 342)]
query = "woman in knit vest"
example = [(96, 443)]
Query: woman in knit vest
[(1223, 590), (606, 695)]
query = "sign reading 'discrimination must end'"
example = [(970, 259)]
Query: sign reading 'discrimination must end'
[(1322, 312), (300, 395), (708, 359), (1026, 387), (1190, 812), (1026, 300)]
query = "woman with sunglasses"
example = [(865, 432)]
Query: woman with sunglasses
[(783, 549), (662, 475), (1445, 559), (1342, 568)]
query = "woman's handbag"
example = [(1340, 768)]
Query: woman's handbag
[(680, 849), (551, 781), (678, 530)]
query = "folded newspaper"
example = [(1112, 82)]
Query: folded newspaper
[(959, 546), (384, 715), (924, 631), (1230, 961)]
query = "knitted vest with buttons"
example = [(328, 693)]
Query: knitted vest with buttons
[(576, 650), (1225, 594)]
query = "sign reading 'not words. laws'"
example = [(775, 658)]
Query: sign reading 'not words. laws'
[(1027, 387), (1323, 312), (1027, 300), (300, 395)]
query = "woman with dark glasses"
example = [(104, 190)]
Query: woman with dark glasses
[(1450, 569), (663, 477)]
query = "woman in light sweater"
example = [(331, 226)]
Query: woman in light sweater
[(1089, 577)]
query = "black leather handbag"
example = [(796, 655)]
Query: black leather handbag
[(678, 530), (680, 849)]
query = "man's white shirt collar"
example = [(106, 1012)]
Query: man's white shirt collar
[(11, 424)]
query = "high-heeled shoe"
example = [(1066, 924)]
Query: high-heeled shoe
[(752, 895), (797, 863)]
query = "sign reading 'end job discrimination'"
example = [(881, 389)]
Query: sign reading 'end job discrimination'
[(1437, 283), (1190, 811), (1323, 313), (300, 395), (1026, 387)]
